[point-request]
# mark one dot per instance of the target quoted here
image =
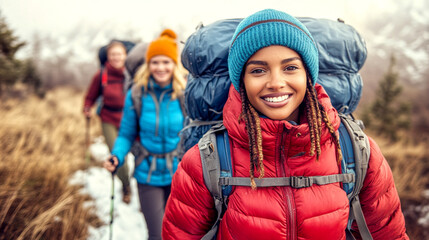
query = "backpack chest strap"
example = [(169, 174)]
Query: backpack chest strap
[(142, 153), (294, 181)]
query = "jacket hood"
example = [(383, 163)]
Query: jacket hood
[(272, 129)]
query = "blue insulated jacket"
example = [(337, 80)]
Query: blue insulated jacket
[(158, 128)]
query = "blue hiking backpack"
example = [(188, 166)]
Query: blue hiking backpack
[(342, 53), (205, 57)]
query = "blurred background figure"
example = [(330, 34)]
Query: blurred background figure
[(107, 88), (153, 112)]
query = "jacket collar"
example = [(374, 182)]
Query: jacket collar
[(114, 71), (152, 85)]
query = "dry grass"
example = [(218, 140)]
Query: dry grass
[(42, 143), (410, 166)]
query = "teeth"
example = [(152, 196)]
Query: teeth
[(276, 99)]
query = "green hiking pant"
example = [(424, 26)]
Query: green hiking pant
[(110, 133)]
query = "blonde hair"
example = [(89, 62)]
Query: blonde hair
[(178, 83)]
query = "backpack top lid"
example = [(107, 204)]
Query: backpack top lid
[(207, 48), (102, 52), (342, 53), (205, 57)]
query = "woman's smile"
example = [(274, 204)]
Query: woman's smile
[(276, 100)]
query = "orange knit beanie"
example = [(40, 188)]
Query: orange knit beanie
[(164, 45)]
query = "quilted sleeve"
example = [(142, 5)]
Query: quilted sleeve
[(127, 130), (190, 211), (380, 201), (93, 92)]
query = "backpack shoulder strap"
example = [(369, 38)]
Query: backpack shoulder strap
[(128, 81), (103, 77), (224, 152), (136, 96), (137, 149), (356, 151), (103, 82), (216, 161)]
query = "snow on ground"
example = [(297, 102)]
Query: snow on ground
[(128, 221), (424, 220)]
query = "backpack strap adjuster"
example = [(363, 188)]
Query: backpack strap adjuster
[(300, 182)]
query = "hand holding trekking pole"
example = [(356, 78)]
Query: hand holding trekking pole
[(87, 112), (111, 164), (87, 156)]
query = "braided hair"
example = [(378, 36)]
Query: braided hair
[(316, 114)]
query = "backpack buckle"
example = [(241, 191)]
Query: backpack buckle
[(300, 182)]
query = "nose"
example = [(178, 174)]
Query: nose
[(162, 67), (159, 67), (276, 81)]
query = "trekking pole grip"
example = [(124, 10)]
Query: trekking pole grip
[(112, 161)]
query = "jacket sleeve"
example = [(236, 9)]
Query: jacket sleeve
[(380, 201), (127, 130), (94, 91), (190, 211)]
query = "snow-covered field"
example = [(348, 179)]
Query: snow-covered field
[(128, 221)]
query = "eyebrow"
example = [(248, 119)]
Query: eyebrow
[(290, 60), (256, 62)]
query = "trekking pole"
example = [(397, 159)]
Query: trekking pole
[(87, 153), (87, 141), (112, 200)]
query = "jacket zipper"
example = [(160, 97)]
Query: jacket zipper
[(155, 101), (161, 98), (158, 108), (288, 191)]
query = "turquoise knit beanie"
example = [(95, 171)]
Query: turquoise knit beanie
[(270, 27)]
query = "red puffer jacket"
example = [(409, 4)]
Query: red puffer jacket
[(316, 212), (113, 95)]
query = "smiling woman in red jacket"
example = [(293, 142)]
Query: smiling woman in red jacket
[(108, 82), (280, 123)]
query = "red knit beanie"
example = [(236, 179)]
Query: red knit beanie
[(164, 45)]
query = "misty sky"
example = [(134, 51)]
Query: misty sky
[(56, 17)]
